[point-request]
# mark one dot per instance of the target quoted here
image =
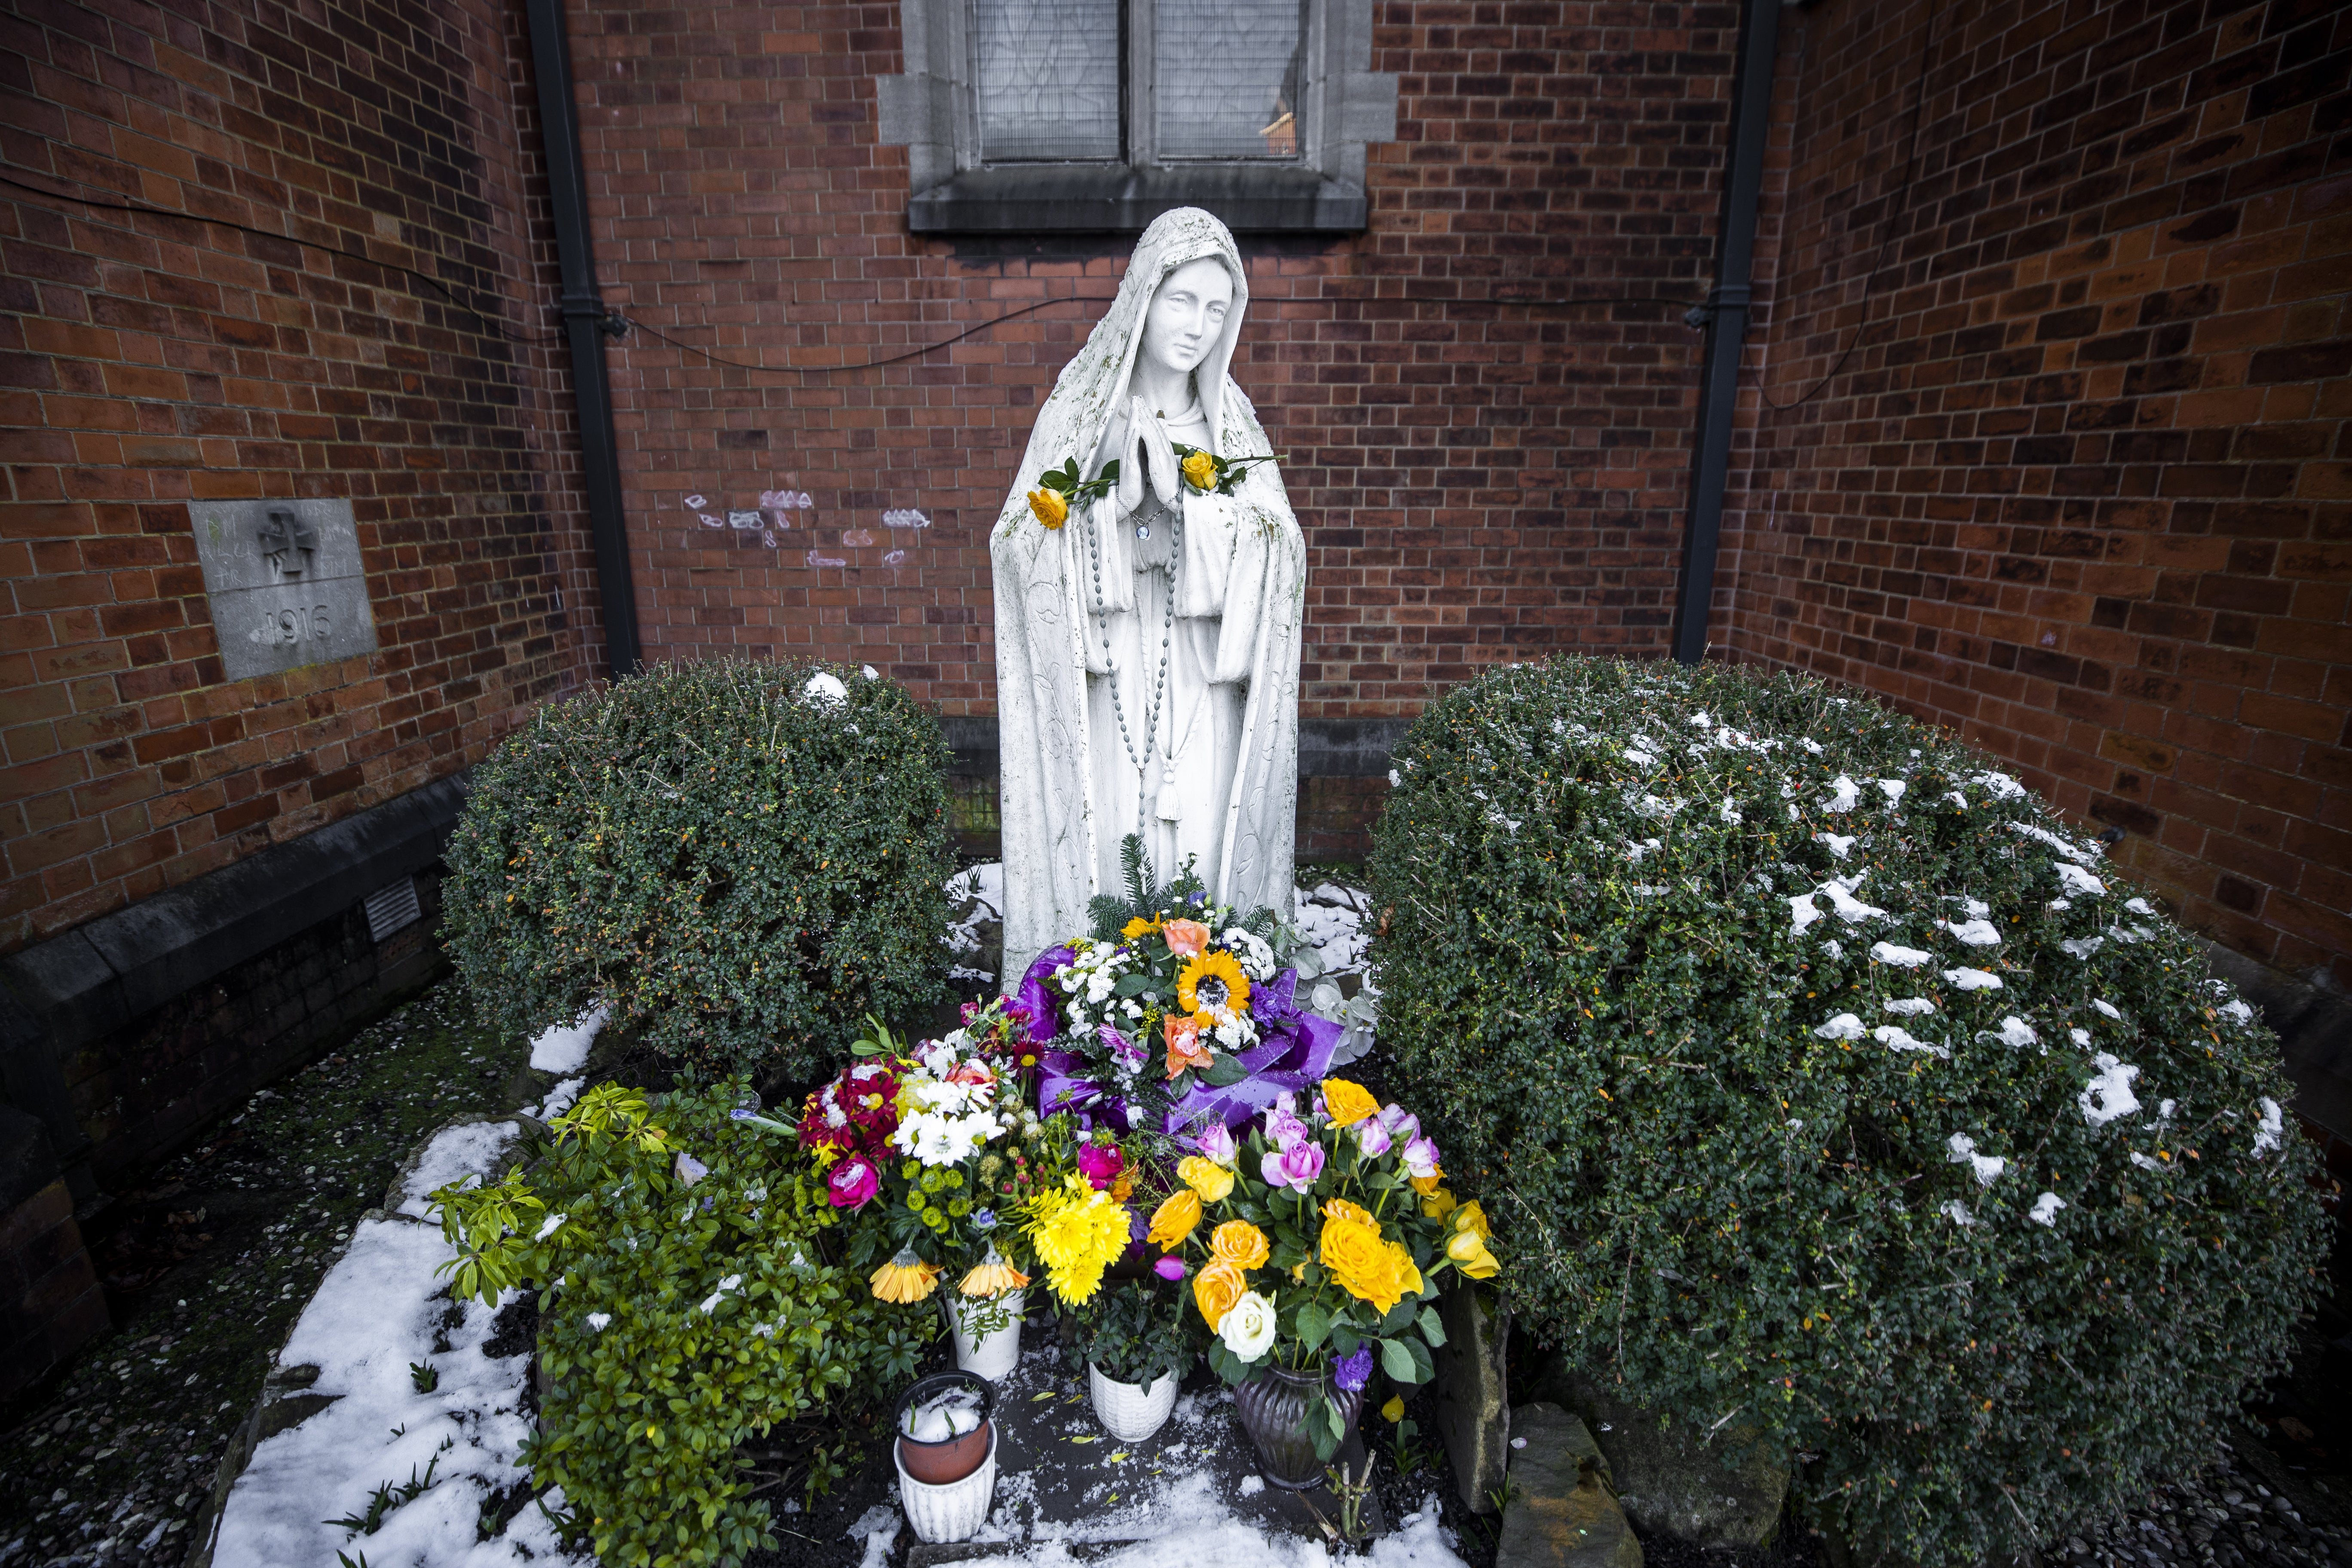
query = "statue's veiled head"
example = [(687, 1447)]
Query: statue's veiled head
[(1187, 314)]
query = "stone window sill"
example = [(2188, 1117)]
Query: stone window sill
[(1094, 199)]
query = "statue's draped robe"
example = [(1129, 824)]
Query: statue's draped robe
[(1071, 787)]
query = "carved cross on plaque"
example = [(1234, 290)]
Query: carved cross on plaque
[(286, 541)]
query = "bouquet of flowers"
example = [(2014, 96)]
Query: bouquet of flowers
[(1175, 1013), (1321, 1241), (940, 1132)]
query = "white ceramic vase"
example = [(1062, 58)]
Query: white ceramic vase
[(954, 1512), (992, 1355), (1131, 1413)]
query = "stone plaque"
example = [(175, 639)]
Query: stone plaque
[(284, 580)]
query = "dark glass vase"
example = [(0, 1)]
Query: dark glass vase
[(1273, 1406)]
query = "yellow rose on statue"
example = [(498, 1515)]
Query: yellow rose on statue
[(1239, 1243), (1175, 1220), (1051, 509), (1207, 1177), (1200, 471)]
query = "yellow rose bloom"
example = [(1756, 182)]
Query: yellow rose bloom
[(1172, 1221), (1437, 1201), (1470, 1216), (1051, 509), (1470, 1255), (1348, 1104), (1426, 1185), (1394, 1409), (1239, 1243), (1200, 470), (1207, 1177), (1340, 1211), (1215, 1289), (904, 1278), (1366, 1267)]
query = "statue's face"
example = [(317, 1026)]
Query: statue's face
[(1188, 314)]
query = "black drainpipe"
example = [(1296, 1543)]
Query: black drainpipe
[(588, 323), (1724, 317)]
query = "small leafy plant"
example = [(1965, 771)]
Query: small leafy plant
[(689, 1303), (423, 1376), (1136, 1331)]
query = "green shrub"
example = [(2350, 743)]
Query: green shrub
[(1706, 1010), (743, 868), (685, 1308)]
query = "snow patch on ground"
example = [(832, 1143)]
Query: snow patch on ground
[(373, 1315), (564, 1048), (467, 1149), (1190, 1526)]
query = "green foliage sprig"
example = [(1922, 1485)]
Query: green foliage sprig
[(742, 859), (1844, 1099), (688, 1305), (1136, 1331)]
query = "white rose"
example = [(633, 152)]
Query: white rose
[(1248, 1328)]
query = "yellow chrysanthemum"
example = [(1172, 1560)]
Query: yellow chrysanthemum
[(1239, 1243), (1470, 1216), (1212, 981), (1050, 505), (1200, 470), (1207, 1177), (904, 1278), (1078, 1233), (1175, 1220), (1436, 1201), (1348, 1103)]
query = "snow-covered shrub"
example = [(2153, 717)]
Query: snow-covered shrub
[(744, 859), (689, 1304), (1834, 1089)]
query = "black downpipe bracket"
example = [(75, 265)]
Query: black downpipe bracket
[(1724, 317), (587, 323)]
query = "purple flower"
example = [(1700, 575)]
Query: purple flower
[(1282, 1126), (1420, 1157), (984, 1219), (1217, 1145), (1170, 1267), (740, 1114), (1124, 1051), (1295, 1166), (1373, 1134), (688, 1170), (1402, 1124), (1350, 1373)]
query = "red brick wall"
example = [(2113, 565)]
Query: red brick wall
[(147, 361), (2082, 488), (1478, 480)]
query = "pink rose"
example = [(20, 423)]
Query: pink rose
[(1217, 1145), (1295, 1166), (1374, 1136), (1185, 939), (1282, 1126), (1100, 1165), (1170, 1267), (1420, 1157), (1403, 1125), (853, 1184)]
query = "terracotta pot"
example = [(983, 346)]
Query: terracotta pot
[(1273, 1406), (954, 1512), (939, 1464)]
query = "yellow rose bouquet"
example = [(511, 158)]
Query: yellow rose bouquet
[(1318, 1243)]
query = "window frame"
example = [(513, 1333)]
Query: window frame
[(932, 109)]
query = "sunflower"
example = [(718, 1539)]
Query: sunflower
[(1212, 981), (905, 1278)]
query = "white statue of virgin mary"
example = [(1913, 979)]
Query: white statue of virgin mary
[(1147, 647)]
